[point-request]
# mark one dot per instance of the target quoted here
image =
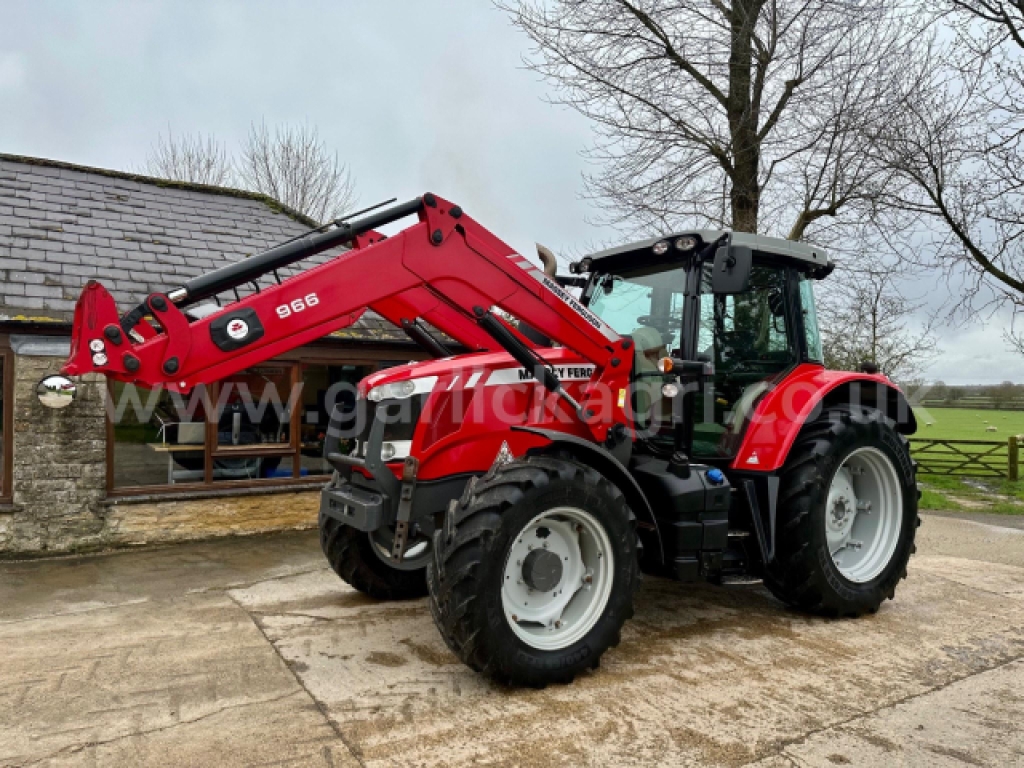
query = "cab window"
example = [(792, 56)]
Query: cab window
[(812, 335), (646, 305), (642, 300)]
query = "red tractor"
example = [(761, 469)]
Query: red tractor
[(664, 408)]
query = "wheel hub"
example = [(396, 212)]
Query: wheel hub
[(840, 511), (542, 570)]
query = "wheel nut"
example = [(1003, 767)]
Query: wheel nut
[(558, 624), (515, 618), (588, 579)]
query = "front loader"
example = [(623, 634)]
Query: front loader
[(664, 408)]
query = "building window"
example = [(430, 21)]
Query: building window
[(6, 422), (263, 425)]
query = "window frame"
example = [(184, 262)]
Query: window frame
[(297, 361)]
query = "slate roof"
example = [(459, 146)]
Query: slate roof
[(62, 225)]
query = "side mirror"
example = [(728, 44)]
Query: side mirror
[(731, 273), (56, 391)]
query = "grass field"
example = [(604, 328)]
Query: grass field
[(1000, 497), (987, 495), (967, 424)]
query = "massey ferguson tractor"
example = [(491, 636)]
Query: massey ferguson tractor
[(664, 408)]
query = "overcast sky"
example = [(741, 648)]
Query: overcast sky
[(414, 96)]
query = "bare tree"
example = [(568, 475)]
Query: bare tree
[(867, 319), (192, 157), (294, 165), (752, 114), (959, 146), (1004, 395)]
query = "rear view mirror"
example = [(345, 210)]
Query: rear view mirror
[(732, 269)]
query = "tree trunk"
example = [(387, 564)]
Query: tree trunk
[(745, 196)]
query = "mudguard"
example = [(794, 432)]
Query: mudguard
[(800, 398), (604, 462)]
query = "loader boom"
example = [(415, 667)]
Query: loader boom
[(445, 269)]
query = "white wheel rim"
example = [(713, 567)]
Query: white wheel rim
[(863, 515), (562, 615)]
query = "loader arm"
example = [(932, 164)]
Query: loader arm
[(445, 269)]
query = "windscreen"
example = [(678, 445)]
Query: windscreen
[(646, 303)]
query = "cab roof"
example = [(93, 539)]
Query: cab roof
[(803, 254)]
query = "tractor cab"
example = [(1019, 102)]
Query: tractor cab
[(739, 305)]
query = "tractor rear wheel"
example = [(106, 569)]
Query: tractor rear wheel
[(847, 515), (363, 561), (534, 571)]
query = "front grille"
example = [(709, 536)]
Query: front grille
[(349, 429)]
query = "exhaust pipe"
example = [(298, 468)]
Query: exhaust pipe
[(550, 264), (548, 260)]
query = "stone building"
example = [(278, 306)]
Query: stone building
[(86, 476)]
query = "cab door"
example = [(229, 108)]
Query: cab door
[(751, 340)]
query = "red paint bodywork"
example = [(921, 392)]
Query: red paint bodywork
[(440, 269), (783, 410), (489, 410)]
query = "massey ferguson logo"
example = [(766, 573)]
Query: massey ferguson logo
[(238, 329)]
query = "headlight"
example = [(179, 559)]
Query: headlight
[(686, 243), (400, 390), (387, 451), (660, 248)]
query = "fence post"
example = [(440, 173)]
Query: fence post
[(1012, 454)]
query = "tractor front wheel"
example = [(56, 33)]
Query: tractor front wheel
[(534, 571), (363, 560), (847, 515)]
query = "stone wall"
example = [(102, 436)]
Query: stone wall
[(149, 522), (59, 484), (59, 459)]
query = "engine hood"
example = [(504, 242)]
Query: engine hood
[(479, 367)]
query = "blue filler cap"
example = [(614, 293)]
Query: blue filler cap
[(715, 476)]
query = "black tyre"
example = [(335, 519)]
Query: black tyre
[(847, 515), (357, 558), (547, 530)]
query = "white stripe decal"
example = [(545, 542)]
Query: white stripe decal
[(474, 379), (565, 296), (506, 376), (574, 305)]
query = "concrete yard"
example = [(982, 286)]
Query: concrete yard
[(251, 652)]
